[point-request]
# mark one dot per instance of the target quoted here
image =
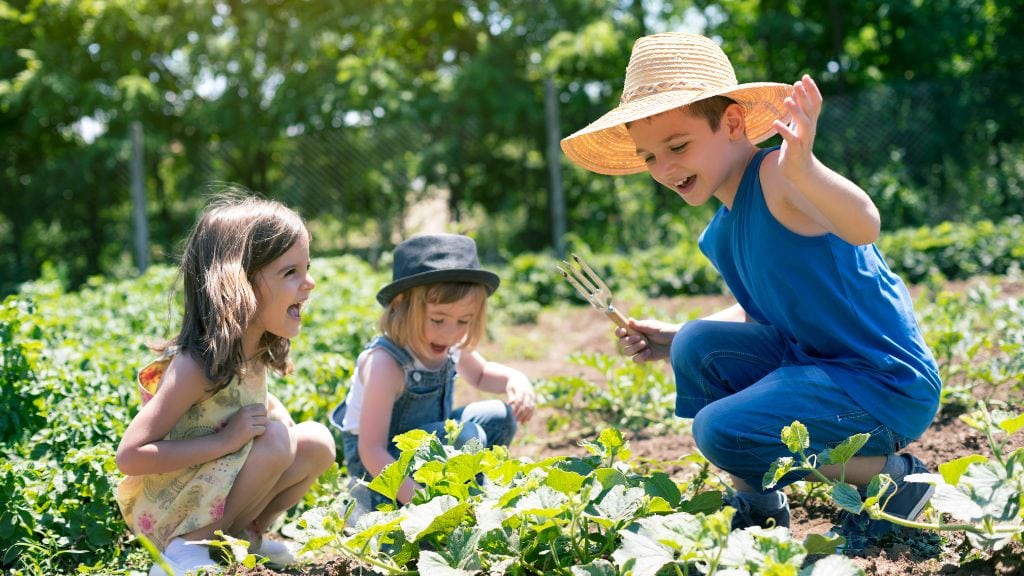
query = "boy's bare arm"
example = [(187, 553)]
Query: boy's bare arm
[(832, 201)]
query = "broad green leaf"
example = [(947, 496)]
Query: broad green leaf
[(833, 565), (412, 439), (462, 547), (430, 474), (661, 485), (442, 514), (817, 544), (566, 482), (620, 503), (842, 453), (703, 503), (433, 564), (777, 471), (544, 501), (795, 437), (598, 567), (1008, 422), (648, 555), (846, 496), (390, 479), (952, 471), (609, 477)]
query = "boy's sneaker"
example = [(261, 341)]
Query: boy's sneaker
[(907, 503), (185, 557), (746, 516)]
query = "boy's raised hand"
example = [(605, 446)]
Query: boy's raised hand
[(650, 339), (796, 155)]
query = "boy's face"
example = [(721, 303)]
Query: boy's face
[(685, 155)]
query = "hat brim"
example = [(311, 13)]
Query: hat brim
[(489, 279), (604, 145)]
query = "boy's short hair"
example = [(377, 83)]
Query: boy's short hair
[(711, 109), (404, 319)]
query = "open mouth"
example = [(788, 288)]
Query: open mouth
[(438, 349), (683, 186), (295, 311)]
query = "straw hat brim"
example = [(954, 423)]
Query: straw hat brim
[(604, 146), (474, 275)]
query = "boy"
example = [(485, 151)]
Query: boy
[(822, 331)]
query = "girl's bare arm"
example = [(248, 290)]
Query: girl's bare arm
[(144, 448)]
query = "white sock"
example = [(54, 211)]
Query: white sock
[(187, 554)]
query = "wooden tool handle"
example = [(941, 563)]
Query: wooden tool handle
[(618, 318)]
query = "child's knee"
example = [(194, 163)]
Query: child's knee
[(275, 449), (715, 435), (315, 446), (686, 350)]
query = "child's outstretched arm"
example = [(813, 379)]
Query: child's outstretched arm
[(835, 203), (499, 379), (383, 381), (651, 340), (143, 448)]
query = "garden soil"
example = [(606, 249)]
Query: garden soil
[(561, 332)]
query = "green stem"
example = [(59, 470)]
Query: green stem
[(374, 562), (879, 515)]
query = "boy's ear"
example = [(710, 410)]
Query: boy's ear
[(734, 121)]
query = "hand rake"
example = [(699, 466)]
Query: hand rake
[(592, 288)]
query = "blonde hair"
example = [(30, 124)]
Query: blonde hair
[(404, 320), (234, 238)]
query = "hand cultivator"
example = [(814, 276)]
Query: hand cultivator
[(592, 288)]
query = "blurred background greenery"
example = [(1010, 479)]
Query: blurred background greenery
[(352, 112)]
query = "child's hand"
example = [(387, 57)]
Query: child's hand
[(249, 422), (521, 398), (651, 339), (796, 155)]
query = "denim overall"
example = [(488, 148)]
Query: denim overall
[(425, 404)]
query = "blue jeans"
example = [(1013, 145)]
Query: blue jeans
[(490, 421), (733, 380)]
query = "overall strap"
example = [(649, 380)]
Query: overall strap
[(401, 355)]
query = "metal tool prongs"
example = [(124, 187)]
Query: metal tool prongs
[(592, 288)]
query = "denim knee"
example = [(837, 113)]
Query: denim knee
[(494, 416), (471, 430), (716, 436)]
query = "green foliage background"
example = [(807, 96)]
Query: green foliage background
[(351, 110)]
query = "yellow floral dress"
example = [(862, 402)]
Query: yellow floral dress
[(164, 506)]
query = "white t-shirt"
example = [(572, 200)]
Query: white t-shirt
[(354, 400)]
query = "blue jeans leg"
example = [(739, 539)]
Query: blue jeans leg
[(490, 421), (734, 384)]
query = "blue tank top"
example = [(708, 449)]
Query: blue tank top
[(837, 305)]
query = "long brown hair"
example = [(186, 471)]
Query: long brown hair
[(235, 237)]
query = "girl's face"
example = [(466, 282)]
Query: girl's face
[(447, 325), (282, 287)]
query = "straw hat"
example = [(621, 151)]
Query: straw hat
[(435, 258), (667, 71)]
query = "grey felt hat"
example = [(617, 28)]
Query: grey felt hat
[(434, 258)]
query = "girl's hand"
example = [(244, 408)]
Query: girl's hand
[(521, 397), (249, 422), (651, 339), (796, 155)]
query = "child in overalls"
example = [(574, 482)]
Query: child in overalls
[(435, 315)]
